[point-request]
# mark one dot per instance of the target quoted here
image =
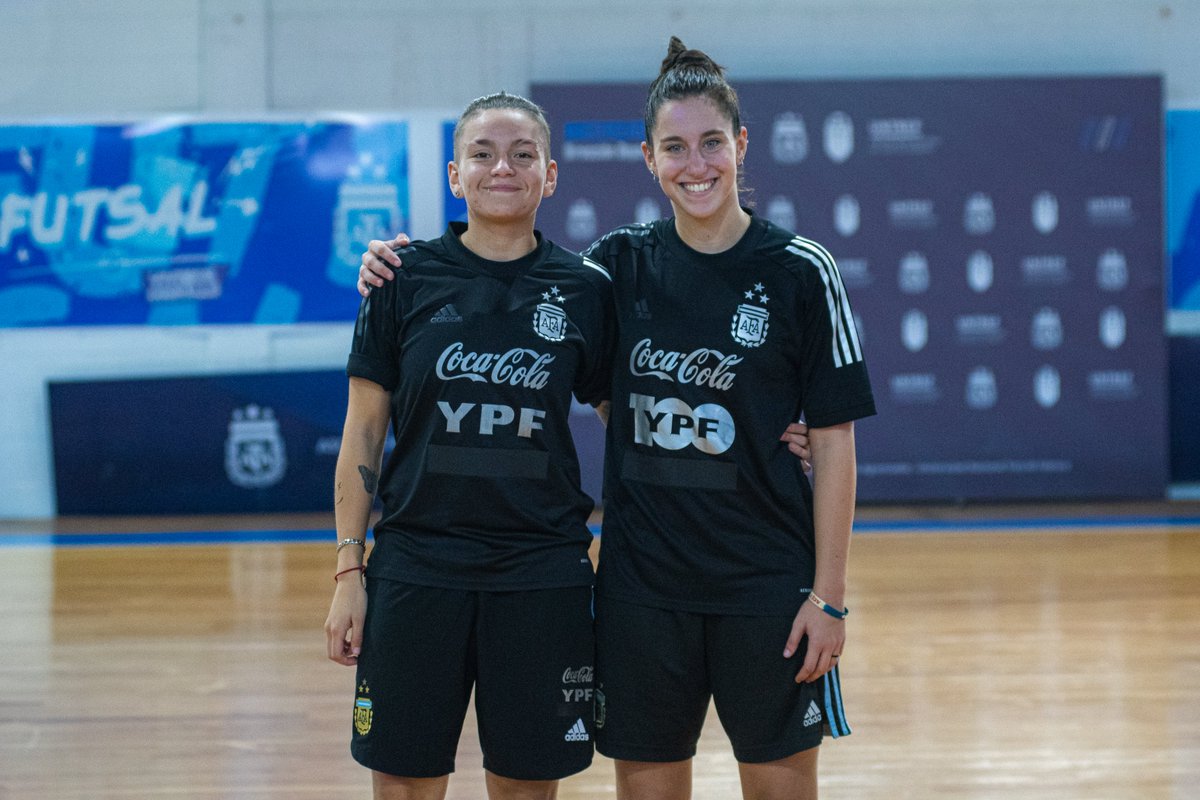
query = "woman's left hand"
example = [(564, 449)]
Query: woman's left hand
[(826, 638), (796, 438)]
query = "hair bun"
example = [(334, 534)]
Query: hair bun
[(680, 57)]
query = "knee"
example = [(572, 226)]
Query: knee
[(499, 788)]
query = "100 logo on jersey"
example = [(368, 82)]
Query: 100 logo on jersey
[(673, 424), (670, 422)]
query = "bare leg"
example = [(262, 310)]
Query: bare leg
[(791, 778), (393, 787), (499, 788), (649, 780)]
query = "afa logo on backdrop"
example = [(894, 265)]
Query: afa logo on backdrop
[(255, 456)]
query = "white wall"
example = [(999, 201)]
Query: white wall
[(120, 59)]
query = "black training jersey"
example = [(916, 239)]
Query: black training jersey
[(481, 490), (705, 509)]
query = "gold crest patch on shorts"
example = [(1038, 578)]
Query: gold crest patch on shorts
[(362, 710)]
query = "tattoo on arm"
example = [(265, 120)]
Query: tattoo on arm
[(370, 480)]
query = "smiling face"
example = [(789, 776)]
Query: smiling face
[(501, 167), (695, 155)]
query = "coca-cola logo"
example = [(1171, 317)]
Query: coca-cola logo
[(702, 367), (581, 675), (516, 367)]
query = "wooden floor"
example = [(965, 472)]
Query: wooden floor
[(1009, 656)]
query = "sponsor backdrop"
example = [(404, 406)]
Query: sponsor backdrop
[(1183, 244), (179, 223), (1001, 240), (219, 444), (1185, 411)]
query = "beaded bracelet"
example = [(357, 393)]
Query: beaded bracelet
[(345, 542), (360, 569), (828, 609)]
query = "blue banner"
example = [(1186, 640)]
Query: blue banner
[(215, 444), (1183, 208), (454, 209), (171, 223)]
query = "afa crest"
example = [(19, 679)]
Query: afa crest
[(255, 457), (363, 711), (549, 320), (750, 321), (364, 211)]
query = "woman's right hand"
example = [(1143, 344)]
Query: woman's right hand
[(374, 270), (344, 625)]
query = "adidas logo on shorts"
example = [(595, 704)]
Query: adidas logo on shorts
[(578, 733), (813, 715), (447, 313)]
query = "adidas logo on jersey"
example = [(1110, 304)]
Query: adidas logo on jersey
[(641, 309), (447, 313), (578, 733), (813, 715)]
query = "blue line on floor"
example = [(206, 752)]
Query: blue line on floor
[(866, 526), (130, 539)]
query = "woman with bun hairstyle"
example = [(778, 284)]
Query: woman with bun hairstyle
[(722, 571)]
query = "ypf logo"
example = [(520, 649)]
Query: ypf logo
[(673, 424)]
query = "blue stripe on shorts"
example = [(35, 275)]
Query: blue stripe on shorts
[(835, 714)]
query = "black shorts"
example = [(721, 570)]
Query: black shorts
[(527, 654), (657, 669)]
